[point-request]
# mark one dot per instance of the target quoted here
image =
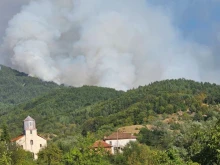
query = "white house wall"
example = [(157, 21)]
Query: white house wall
[(119, 143)]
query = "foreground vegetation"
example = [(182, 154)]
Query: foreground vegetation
[(180, 120), (202, 148)]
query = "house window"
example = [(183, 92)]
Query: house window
[(31, 142), (30, 123), (40, 145), (110, 142), (21, 146), (30, 131)]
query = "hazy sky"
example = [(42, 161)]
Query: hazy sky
[(8, 8), (198, 19), (113, 43)]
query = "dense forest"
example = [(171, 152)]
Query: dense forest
[(17, 87), (183, 116)]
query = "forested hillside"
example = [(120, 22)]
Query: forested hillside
[(53, 111), (95, 108), (180, 119), (49, 103), (17, 87), (137, 106)]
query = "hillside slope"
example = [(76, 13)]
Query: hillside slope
[(53, 111), (96, 108), (17, 87), (181, 115), (137, 106)]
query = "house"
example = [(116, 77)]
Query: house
[(119, 140), (103, 144), (30, 140)]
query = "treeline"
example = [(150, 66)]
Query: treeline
[(52, 111), (139, 105), (181, 114), (81, 152), (200, 146), (93, 108), (191, 140), (17, 87)]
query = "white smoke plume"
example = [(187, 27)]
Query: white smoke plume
[(112, 43)]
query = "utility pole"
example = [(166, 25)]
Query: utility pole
[(117, 139)]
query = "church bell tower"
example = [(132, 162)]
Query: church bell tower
[(29, 126)]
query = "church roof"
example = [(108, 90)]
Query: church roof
[(20, 136), (29, 119), (17, 138)]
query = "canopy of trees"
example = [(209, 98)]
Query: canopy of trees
[(183, 114)]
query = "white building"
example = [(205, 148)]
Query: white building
[(30, 140), (118, 140)]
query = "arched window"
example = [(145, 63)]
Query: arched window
[(31, 142)]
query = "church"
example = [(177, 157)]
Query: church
[(30, 140)]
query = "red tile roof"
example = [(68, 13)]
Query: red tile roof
[(17, 138), (101, 143), (119, 135)]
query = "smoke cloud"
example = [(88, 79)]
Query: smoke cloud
[(118, 43)]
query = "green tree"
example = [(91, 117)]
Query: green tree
[(84, 154), (153, 137), (20, 156), (5, 154), (51, 155), (5, 159), (210, 153), (139, 154), (5, 134)]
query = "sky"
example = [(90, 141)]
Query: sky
[(198, 19), (8, 8), (181, 37)]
